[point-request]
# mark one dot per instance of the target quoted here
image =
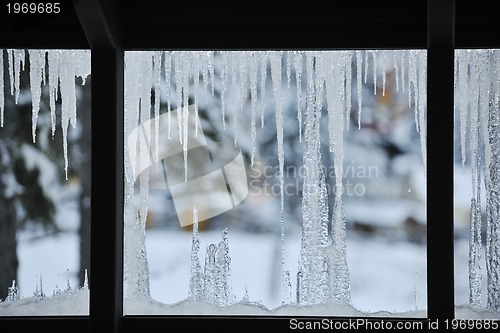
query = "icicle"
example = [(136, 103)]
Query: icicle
[(39, 294), (263, 79), (492, 86), (86, 281), (474, 253), (204, 75), (323, 65), (70, 81), (2, 89), (474, 113), (384, 74), (493, 203), (477, 79), (396, 69), (223, 78), (375, 65), (275, 59), (10, 62), (359, 84), (306, 275), (234, 72), (463, 81), (168, 68), (316, 272), (19, 60), (403, 66), (336, 252), (13, 291), (156, 106), (36, 64), (144, 83), (68, 99), (53, 60), (223, 269), (253, 93), (138, 84), (298, 79), (195, 60), (178, 56), (455, 88), (131, 115), (412, 79), (422, 105), (347, 60), (339, 271), (210, 271), (243, 86), (196, 276), (130, 122), (366, 67), (479, 76), (289, 55), (211, 70), (185, 111)]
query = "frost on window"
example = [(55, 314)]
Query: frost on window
[(44, 179), (275, 182), (477, 172)]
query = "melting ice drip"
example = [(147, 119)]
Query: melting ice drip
[(477, 81), (58, 69), (323, 272)]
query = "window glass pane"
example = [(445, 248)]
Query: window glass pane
[(44, 181), (275, 182), (477, 168)]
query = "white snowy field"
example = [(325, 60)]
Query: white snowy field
[(379, 281)]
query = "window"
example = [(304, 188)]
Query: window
[(45, 196), (321, 154), (435, 26)]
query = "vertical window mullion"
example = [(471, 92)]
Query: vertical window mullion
[(440, 104), (101, 26), (106, 260)]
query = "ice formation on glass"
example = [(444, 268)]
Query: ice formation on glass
[(324, 81), (477, 101), (212, 284), (57, 68)]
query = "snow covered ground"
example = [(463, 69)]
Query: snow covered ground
[(387, 278)]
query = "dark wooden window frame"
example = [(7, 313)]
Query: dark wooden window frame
[(109, 28)]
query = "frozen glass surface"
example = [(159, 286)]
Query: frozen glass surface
[(275, 182), (44, 181), (476, 174)]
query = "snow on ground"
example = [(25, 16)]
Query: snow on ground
[(383, 278), (388, 277)]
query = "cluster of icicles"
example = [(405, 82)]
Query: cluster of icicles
[(477, 104), (56, 68), (326, 80)]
